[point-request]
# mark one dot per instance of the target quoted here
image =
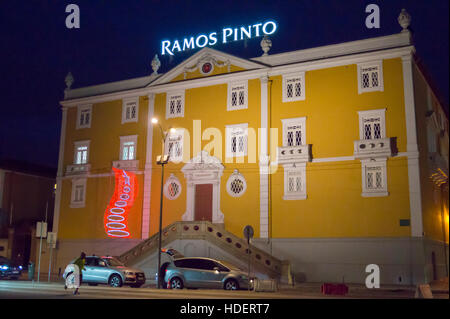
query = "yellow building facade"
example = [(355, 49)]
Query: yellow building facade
[(337, 156)]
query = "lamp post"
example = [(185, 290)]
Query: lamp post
[(161, 160)]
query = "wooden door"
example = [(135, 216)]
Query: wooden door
[(203, 202)]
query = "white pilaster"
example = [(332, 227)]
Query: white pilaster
[(264, 162), (148, 169), (415, 197), (60, 173)]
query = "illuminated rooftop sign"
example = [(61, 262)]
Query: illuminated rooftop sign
[(225, 36)]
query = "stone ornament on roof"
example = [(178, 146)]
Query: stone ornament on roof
[(404, 19), (156, 64), (266, 44), (69, 80), (206, 65)]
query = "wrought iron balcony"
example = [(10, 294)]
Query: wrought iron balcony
[(294, 154), (374, 148), (78, 169), (127, 165)]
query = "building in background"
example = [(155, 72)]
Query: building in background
[(26, 196), (337, 156)]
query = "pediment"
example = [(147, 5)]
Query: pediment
[(219, 63), (203, 161)]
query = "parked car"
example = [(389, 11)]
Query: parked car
[(9, 269), (109, 270), (198, 272)]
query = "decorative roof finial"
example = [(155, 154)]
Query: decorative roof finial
[(156, 64), (404, 19), (69, 80), (266, 44)]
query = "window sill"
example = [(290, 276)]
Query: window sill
[(77, 205), (375, 194), (78, 169), (295, 197), (126, 164)]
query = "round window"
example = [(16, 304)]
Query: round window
[(236, 185), (206, 68), (172, 188)]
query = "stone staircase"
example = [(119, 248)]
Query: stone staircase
[(261, 261)]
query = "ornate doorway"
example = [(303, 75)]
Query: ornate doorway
[(203, 174)]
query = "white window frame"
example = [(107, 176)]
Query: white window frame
[(361, 67), (298, 168), (78, 185), (83, 109), (176, 95), (125, 105), (236, 175), (301, 121), (365, 167), (232, 86), (176, 137), (288, 78), (363, 115), (77, 145), (170, 180), (128, 139), (230, 131)]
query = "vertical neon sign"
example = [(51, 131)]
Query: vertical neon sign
[(116, 214)]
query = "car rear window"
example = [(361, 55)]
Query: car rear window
[(197, 263)]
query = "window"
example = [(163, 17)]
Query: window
[(81, 152), (370, 77), (84, 116), (236, 143), (374, 178), (372, 124), (294, 131), (175, 104), (78, 193), (236, 184), (128, 146), (130, 110), (174, 145), (237, 96), (295, 181), (172, 188), (294, 87)]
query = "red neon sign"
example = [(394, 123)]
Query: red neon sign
[(116, 214)]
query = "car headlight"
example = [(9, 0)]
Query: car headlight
[(129, 273), (20, 267), (4, 267)]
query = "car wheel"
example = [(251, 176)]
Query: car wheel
[(115, 281), (176, 283), (231, 284)]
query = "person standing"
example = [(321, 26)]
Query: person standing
[(75, 269)]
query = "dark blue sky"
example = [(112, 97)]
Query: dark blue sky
[(118, 39)]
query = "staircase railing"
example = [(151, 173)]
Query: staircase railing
[(208, 231)]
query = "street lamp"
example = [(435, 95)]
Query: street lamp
[(161, 160)]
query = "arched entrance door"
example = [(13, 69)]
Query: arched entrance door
[(203, 174)]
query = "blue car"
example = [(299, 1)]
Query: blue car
[(9, 270)]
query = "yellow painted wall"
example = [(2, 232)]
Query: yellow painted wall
[(434, 202)]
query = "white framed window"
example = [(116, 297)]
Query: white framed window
[(128, 146), (294, 131), (84, 116), (372, 124), (237, 96), (175, 104), (295, 181), (172, 187), (370, 77), (174, 145), (81, 153), (130, 110), (78, 196), (236, 184), (294, 87), (374, 178), (236, 140)]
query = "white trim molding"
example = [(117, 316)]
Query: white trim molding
[(374, 177), (84, 116), (175, 104), (78, 193), (293, 87), (240, 133), (203, 169), (172, 187), (370, 115), (264, 162), (373, 76), (237, 97), (295, 181), (130, 109), (236, 184)]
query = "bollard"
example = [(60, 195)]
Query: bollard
[(30, 270)]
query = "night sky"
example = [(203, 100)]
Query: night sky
[(118, 39)]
